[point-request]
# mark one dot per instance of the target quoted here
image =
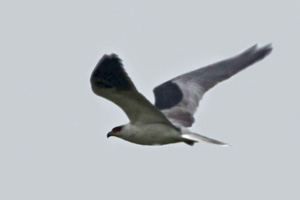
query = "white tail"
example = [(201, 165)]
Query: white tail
[(197, 138)]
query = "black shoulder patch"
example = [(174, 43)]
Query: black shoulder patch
[(109, 73), (117, 129), (167, 95)]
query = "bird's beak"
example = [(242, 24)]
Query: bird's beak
[(109, 134)]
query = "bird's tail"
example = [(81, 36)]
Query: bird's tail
[(190, 138)]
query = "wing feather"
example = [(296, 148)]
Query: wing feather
[(179, 97), (109, 80)]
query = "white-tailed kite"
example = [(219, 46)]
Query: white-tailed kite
[(176, 100)]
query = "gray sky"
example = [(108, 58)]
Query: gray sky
[(53, 129)]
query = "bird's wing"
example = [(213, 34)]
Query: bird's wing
[(109, 80), (179, 97)]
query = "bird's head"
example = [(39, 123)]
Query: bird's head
[(115, 132)]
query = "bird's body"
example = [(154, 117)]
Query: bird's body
[(176, 100), (151, 134)]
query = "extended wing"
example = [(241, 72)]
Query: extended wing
[(179, 97), (109, 80)]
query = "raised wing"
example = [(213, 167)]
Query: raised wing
[(179, 97), (109, 80)]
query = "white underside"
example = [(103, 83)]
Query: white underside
[(150, 134), (160, 134)]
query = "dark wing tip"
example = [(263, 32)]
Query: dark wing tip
[(266, 50), (109, 58), (255, 54), (109, 73), (108, 61)]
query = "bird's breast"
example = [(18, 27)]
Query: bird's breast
[(152, 134)]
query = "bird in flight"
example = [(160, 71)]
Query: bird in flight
[(176, 100)]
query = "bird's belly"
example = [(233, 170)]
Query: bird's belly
[(154, 134)]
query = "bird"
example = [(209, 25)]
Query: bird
[(167, 121)]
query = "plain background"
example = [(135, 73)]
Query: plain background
[(53, 129)]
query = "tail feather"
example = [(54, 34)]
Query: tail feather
[(194, 137)]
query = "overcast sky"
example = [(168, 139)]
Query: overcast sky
[(53, 129)]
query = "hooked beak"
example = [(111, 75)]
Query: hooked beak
[(109, 134)]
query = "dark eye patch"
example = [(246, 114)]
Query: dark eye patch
[(117, 129)]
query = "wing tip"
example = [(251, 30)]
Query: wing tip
[(255, 53), (107, 59), (263, 51), (109, 73), (112, 55), (267, 49)]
